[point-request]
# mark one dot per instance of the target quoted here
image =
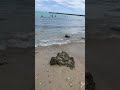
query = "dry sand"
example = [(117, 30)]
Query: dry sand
[(60, 78)]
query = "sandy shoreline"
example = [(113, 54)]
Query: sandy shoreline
[(60, 78)]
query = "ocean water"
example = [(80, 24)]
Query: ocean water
[(50, 29)]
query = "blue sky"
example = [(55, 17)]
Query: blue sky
[(65, 6)]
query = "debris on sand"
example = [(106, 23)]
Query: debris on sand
[(68, 78), (49, 82), (89, 82), (82, 84), (70, 85), (63, 59)]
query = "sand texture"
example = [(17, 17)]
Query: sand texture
[(60, 77)]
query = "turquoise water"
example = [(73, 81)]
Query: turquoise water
[(51, 28)]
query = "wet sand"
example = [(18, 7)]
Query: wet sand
[(60, 78)]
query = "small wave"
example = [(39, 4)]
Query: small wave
[(49, 44), (60, 42)]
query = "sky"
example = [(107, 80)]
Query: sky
[(64, 6)]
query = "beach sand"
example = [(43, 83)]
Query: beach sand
[(60, 77)]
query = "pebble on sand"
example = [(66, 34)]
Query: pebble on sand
[(50, 82), (46, 70), (68, 78), (82, 84), (70, 85)]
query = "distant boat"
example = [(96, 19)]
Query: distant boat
[(52, 16)]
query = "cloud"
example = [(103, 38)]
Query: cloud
[(68, 6)]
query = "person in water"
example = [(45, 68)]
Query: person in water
[(52, 16)]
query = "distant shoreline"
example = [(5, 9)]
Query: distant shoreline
[(66, 14), (62, 13)]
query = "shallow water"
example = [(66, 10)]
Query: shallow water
[(51, 28)]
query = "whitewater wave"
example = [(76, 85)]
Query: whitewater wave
[(57, 42)]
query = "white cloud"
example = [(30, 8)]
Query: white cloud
[(75, 5), (78, 4)]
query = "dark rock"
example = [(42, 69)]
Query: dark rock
[(71, 63), (67, 36), (89, 82), (63, 59), (53, 61)]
